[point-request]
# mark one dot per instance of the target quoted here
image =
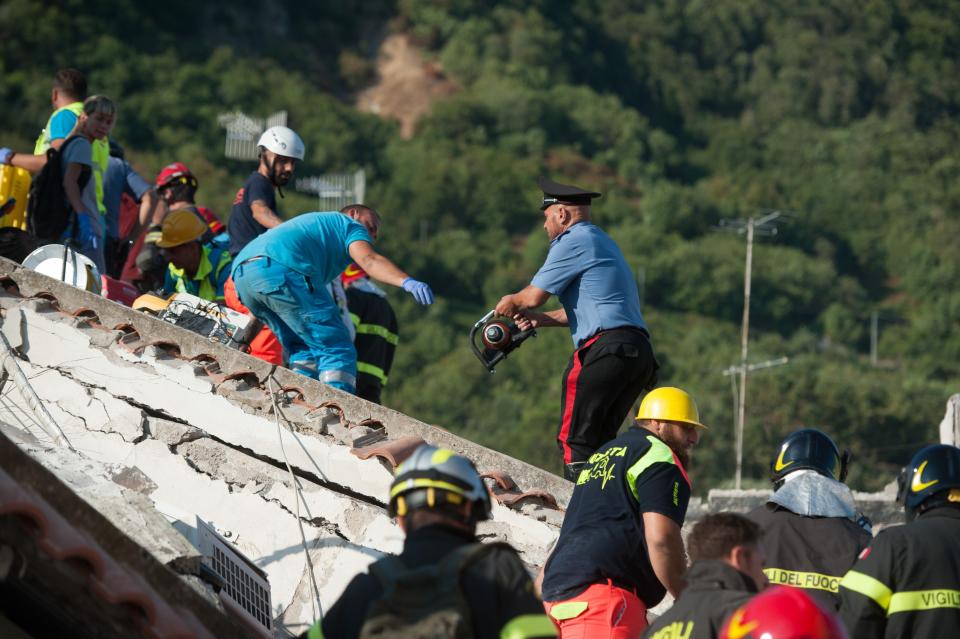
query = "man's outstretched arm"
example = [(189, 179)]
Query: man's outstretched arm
[(382, 269)]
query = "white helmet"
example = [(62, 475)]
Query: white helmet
[(282, 141)]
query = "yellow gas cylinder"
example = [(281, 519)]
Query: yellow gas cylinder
[(14, 184)]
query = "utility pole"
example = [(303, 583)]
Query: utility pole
[(751, 226), (874, 337), (738, 400)]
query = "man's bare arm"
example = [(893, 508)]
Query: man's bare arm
[(667, 556), (530, 297), (264, 215), (376, 265), (34, 163)]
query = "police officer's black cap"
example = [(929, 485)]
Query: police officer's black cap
[(556, 193)]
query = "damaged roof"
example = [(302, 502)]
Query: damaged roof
[(188, 428)]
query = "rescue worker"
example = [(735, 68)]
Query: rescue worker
[(907, 583), (376, 327), (255, 206), (176, 189), (281, 276), (444, 583), (620, 547), (812, 532), (195, 267), (783, 612), (726, 570), (613, 361)]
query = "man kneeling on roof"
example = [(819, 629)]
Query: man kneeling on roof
[(195, 268)]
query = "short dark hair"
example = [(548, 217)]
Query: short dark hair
[(72, 82), (360, 207), (714, 536), (178, 192)]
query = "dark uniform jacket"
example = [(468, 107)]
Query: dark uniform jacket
[(714, 590), (812, 553), (497, 587), (907, 583), (376, 340)]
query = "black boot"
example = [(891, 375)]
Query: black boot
[(572, 471)]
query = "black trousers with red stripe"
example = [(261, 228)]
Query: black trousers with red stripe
[(602, 381)]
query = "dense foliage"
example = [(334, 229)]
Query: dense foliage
[(843, 113)]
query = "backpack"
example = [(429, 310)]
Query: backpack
[(424, 602), (48, 211)]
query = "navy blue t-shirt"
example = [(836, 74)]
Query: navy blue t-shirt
[(241, 227), (602, 535)]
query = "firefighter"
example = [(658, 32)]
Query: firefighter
[(620, 547), (376, 331), (783, 612), (194, 267), (726, 570), (812, 530), (613, 361), (907, 583), (445, 583)]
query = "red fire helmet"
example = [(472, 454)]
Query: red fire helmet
[(782, 612)]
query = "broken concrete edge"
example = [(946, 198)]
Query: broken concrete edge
[(32, 476), (232, 362)]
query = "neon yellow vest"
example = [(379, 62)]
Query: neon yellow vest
[(100, 151)]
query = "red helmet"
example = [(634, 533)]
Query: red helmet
[(782, 612), (352, 274), (176, 173)]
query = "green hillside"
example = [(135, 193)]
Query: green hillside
[(684, 113)]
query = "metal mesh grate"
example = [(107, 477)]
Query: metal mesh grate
[(244, 584), (243, 132), (335, 190)]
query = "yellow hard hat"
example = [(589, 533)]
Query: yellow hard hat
[(179, 227), (150, 303), (670, 404)]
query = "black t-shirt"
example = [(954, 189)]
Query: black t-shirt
[(241, 226), (602, 535), (497, 587)]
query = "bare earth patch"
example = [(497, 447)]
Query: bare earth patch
[(407, 85)]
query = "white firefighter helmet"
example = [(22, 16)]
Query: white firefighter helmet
[(283, 141)]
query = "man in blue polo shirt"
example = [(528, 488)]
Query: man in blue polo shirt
[(282, 277), (613, 361)]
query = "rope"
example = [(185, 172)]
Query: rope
[(315, 601), (47, 423)]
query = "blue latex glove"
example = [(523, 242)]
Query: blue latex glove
[(420, 290), (5, 154)]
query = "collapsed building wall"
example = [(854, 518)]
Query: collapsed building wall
[(197, 430)]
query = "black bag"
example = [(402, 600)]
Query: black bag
[(48, 211), (425, 602)]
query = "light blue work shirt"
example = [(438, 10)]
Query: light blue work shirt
[(587, 272), (312, 244)]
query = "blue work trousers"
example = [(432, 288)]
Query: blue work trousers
[(304, 317)]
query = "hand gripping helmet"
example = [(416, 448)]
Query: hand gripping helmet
[(928, 479), (434, 477), (811, 449), (782, 612), (283, 141), (175, 173), (670, 404)]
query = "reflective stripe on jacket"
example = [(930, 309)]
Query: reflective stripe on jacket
[(208, 281)]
